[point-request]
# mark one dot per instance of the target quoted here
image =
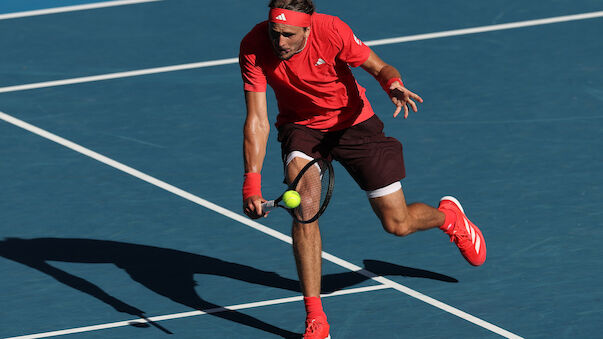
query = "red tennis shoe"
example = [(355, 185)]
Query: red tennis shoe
[(464, 233), (317, 329)]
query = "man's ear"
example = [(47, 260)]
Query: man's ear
[(307, 31)]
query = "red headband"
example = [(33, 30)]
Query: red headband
[(287, 17)]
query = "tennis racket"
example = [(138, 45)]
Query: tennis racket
[(314, 183)]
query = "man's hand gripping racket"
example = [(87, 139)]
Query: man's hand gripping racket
[(314, 183)]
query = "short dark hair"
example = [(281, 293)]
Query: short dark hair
[(304, 6)]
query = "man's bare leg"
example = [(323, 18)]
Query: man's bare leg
[(307, 245), (401, 219), (307, 249)]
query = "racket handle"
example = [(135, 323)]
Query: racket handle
[(268, 206)]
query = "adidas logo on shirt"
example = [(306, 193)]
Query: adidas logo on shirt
[(281, 17), (319, 62)]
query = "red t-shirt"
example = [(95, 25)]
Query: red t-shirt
[(315, 87)]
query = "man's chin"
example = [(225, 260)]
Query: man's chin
[(283, 55)]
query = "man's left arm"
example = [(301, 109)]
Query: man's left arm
[(390, 79)]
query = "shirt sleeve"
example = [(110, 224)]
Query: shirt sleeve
[(352, 51), (254, 79)]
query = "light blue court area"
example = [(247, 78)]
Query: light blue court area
[(120, 211)]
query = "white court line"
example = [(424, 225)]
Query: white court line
[(491, 28), (418, 37), (253, 224), (119, 75), (194, 313), (74, 8)]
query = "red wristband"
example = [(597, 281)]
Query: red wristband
[(387, 85), (252, 185)]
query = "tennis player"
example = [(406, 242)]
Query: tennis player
[(323, 112)]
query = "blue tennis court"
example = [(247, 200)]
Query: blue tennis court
[(121, 172)]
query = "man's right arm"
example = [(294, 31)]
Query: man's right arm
[(255, 139)]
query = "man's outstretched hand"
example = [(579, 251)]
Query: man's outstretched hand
[(403, 98)]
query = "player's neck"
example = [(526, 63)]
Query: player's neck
[(302, 47)]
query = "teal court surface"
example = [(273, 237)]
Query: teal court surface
[(121, 172)]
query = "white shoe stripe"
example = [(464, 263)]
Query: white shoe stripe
[(477, 247), (469, 230), (474, 238)]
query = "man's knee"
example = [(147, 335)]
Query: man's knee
[(397, 225), (393, 213)]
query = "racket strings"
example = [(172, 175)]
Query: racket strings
[(313, 189)]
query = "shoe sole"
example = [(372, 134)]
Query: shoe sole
[(456, 202)]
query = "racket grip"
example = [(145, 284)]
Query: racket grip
[(268, 206)]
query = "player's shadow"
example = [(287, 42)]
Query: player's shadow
[(170, 273)]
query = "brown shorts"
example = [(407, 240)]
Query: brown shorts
[(371, 158)]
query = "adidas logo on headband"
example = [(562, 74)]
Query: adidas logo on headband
[(289, 17)]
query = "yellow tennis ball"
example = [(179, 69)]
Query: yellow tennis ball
[(291, 199)]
